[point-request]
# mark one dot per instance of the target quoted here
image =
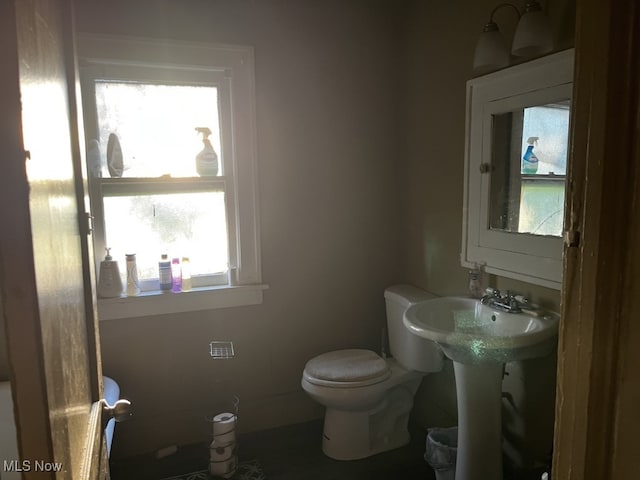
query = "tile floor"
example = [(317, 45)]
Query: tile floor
[(288, 453)]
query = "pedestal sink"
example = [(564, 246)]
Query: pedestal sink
[(479, 340)]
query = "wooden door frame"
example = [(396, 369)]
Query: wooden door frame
[(23, 318), (600, 268), (17, 276)]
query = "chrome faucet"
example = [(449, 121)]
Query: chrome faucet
[(508, 302)]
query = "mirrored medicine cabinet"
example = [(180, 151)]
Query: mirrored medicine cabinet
[(517, 137)]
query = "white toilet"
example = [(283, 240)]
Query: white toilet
[(368, 398)]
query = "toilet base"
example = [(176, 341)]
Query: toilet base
[(352, 435)]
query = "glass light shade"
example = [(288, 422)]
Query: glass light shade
[(533, 35), (491, 52)]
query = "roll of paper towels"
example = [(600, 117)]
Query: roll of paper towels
[(223, 423), (224, 469), (220, 453), (225, 438)]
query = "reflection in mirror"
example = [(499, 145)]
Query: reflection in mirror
[(529, 158)]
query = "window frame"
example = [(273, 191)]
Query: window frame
[(131, 186), (231, 69)]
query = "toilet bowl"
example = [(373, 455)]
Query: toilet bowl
[(368, 398), (364, 416)]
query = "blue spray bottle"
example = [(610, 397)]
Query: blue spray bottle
[(529, 160)]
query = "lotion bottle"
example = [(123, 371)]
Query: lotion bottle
[(186, 274), (133, 285), (109, 281), (475, 281)]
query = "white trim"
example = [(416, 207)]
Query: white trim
[(100, 53), (160, 303), (108, 49)]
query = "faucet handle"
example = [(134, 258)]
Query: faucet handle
[(521, 299), (492, 292)]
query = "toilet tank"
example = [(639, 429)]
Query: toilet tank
[(411, 351)]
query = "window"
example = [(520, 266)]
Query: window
[(143, 101), (529, 163), (542, 191)]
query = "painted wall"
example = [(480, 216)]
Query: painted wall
[(441, 44), (441, 40), (327, 93)]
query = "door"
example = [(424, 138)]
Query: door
[(597, 415), (45, 259)]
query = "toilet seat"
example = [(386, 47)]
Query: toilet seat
[(347, 369)]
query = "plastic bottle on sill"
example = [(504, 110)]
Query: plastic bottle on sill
[(133, 285), (186, 274), (176, 276), (232, 275), (109, 281), (164, 268)]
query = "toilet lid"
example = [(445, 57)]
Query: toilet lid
[(347, 366)]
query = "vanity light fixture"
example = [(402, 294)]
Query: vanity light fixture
[(532, 37)]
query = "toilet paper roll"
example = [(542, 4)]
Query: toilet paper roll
[(223, 423), (225, 438), (220, 453), (224, 469)]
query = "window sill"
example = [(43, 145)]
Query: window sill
[(160, 303)]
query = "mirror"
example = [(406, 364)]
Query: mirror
[(528, 169), (516, 144)]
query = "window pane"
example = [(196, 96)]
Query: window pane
[(186, 224), (550, 124), (156, 125), (541, 207)]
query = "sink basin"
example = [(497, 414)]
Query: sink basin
[(472, 333)]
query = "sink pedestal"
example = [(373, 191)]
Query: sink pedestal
[(479, 392)]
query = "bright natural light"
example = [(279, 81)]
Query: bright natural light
[(541, 207), (550, 124), (156, 125), (542, 199), (181, 225)]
